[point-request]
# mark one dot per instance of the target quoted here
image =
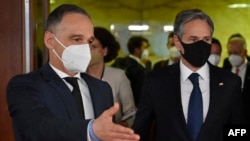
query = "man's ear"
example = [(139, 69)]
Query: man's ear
[(105, 51), (177, 42), (245, 52), (48, 40)]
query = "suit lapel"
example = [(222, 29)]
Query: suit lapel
[(62, 90), (176, 94), (216, 95), (95, 94)]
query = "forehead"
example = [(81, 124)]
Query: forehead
[(76, 23), (197, 28), (236, 43), (215, 47)]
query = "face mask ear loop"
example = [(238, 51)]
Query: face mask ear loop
[(54, 49), (59, 42), (57, 55)]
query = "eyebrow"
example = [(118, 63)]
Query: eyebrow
[(76, 35)]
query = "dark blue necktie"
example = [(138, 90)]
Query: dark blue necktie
[(195, 108), (77, 95)]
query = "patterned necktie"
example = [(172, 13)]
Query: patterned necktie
[(77, 95), (195, 108)]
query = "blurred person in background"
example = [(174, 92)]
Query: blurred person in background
[(174, 54), (135, 69), (237, 57), (103, 50), (215, 54)]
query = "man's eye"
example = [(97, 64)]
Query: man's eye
[(208, 40), (77, 39), (193, 40)]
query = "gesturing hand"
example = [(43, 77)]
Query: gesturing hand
[(106, 130)]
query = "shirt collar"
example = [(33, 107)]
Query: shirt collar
[(186, 72), (62, 74), (136, 59)]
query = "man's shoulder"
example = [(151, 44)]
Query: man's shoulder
[(223, 73)]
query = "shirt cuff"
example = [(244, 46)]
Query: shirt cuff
[(91, 132)]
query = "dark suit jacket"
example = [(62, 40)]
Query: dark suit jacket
[(135, 72), (43, 109), (161, 101), (161, 65), (246, 92)]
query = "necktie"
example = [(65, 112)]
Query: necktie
[(77, 95), (195, 108)]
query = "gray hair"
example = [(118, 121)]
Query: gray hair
[(186, 16), (57, 14)]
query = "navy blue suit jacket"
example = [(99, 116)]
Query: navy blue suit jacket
[(161, 102), (43, 109)]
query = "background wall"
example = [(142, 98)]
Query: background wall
[(161, 12)]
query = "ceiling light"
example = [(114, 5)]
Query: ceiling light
[(239, 5), (138, 27), (167, 28), (112, 27), (52, 1)]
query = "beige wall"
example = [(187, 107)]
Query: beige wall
[(227, 21)]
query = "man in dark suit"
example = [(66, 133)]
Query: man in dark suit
[(239, 64), (41, 103), (136, 68), (174, 54), (190, 100)]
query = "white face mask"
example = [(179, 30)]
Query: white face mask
[(145, 54), (75, 58), (174, 52), (214, 59), (235, 60)]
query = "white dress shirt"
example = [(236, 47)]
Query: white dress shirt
[(242, 72), (187, 86), (86, 99)]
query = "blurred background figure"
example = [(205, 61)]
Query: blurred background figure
[(216, 50), (240, 65), (136, 69), (174, 54), (226, 62), (104, 49)]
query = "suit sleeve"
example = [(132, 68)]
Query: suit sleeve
[(31, 118)]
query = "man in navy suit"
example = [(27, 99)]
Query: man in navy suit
[(41, 103), (240, 65), (167, 96)]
